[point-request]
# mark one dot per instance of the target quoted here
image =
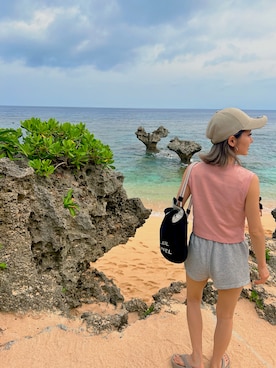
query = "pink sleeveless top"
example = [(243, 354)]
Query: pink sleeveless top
[(219, 195)]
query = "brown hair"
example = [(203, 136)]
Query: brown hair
[(219, 154)]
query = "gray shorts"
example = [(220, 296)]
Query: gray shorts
[(226, 264)]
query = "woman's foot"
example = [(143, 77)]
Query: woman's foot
[(185, 361), (225, 363), (180, 361)]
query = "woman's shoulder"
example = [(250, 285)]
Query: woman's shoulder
[(234, 169), (244, 176), (243, 170)]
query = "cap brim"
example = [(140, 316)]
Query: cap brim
[(256, 123)]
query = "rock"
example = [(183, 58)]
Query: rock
[(94, 286), (263, 295), (184, 149), (210, 294), (265, 303), (151, 139), (47, 252), (97, 323), (137, 305), (164, 295)]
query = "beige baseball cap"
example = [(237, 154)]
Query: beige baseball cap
[(230, 121)]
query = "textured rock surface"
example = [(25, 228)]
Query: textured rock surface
[(264, 295), (151, 139), (184, 149), (47, 251)]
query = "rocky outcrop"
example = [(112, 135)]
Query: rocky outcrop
[(264, 295), (45, 252), (184, 149), (151, 139)]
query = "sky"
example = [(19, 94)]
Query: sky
[(138, 53)]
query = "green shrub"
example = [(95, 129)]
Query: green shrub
[(49, 144), (3, 265), (267, 254), (70, 204), (42, 167), (9, 141), (254, 297)]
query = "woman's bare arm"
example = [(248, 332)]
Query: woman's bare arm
[(256, 230)]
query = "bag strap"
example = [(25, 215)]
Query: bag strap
[(183, 188)]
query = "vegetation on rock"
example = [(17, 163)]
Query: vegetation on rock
[(49, 144), (69, 202)]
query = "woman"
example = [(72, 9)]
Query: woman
[(224, 194)]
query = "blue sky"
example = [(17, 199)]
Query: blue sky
[(138, 53)]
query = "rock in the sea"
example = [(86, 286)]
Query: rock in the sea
[(184, 149), (151, 139)]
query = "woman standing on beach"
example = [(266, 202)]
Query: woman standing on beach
[(224, 194)]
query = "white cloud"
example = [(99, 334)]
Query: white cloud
[(147, 53)]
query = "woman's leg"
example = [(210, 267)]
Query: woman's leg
[(227, 301), (194, 318)]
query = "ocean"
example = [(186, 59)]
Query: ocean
[(155, 178)]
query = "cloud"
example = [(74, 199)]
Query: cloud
[(102, 33), (138, 46)]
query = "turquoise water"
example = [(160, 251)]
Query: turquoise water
[(155, 178)]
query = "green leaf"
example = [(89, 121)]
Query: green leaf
[(3, 265), (70, 204), (42, 167)]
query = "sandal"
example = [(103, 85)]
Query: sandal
[(223, 363), (184, 359)]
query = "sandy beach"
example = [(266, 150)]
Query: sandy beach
[(50, 340)]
